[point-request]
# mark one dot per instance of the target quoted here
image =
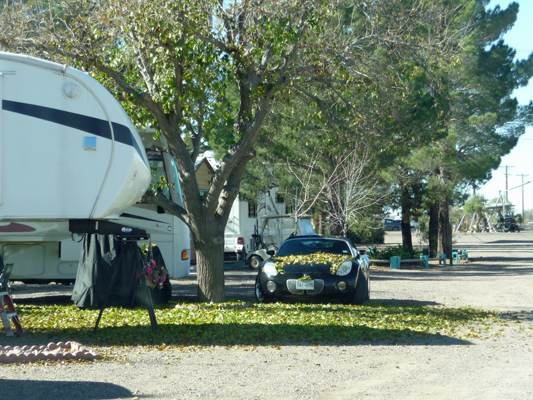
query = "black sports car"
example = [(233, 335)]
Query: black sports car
[(315, 265)]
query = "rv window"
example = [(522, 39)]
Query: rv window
[(158, 171), (176, 179), (252, 209)]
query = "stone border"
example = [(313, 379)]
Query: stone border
[(53, 351)]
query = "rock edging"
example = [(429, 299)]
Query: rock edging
[(53, 351)]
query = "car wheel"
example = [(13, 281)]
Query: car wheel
[(259, 294), (395, 229), (255, 261), (361, 290)]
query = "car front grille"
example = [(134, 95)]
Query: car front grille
[(291, 286)]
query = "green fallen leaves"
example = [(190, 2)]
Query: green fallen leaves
[(239, 323)]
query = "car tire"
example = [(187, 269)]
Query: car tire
[(361, 290), (259, 294), (395, 229), (255, 261)]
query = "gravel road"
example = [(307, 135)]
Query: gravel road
[(495, 366)]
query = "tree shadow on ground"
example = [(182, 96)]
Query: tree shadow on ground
[(251, 335), (44, 300), (468, 270), (61, 390), (302, 325), (524, 316), (406, 303)]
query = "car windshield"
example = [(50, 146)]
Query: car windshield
[(310, 246)]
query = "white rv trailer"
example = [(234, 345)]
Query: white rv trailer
[(252, 229), (68, 152)]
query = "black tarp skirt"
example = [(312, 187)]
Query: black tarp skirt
[(110, 267)]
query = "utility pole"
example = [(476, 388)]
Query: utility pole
[(522, 175), (506, 182)]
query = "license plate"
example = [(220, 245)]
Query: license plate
[(305, 285)]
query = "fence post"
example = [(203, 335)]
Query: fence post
[(395, 262)]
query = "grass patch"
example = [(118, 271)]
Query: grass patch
[(255, 324)]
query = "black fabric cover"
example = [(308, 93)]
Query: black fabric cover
[(106, 266)]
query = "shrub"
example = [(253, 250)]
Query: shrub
[(401, 251), (363, 235)]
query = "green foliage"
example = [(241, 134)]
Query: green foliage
[(239, 323), (475, 204), (405, 252), (365, 234)]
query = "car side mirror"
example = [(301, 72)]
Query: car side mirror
[(361, 252), (271, 253)]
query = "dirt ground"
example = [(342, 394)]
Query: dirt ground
[(494, 365)]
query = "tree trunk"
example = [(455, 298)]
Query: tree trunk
[(407, 238), (210, 271), (433, 230), (336, 206), (445, 245)]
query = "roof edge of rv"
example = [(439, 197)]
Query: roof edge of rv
[(26, 59)]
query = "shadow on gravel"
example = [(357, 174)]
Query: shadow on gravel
[(43, 300), (524, 316), (461, 272), (61, 390), (408, 303), (505, 259)]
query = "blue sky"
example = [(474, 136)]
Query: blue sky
[(520, 37)]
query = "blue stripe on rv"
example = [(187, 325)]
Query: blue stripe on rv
[(96, 126)]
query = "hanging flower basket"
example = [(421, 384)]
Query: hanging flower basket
[(150, 284), (154, 275)]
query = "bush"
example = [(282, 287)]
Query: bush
[(363, 235), (401, 251)]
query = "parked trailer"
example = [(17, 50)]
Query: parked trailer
[(69, 153)]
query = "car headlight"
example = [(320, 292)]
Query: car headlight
[(270, 268), (345, 268)]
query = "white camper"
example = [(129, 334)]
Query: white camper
[(68, 149), (69, 152)]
